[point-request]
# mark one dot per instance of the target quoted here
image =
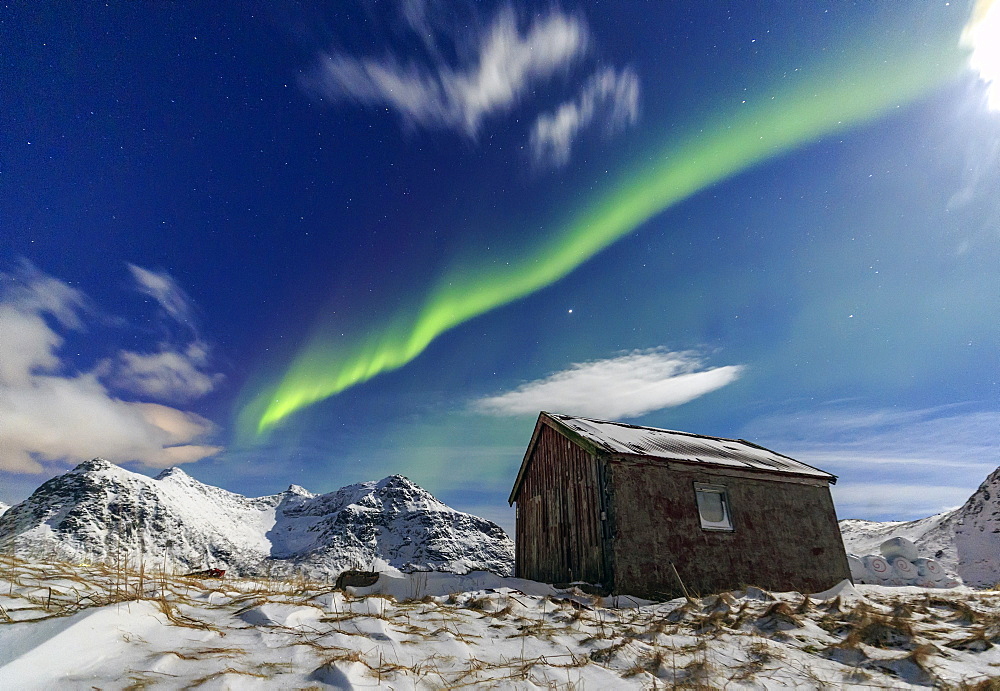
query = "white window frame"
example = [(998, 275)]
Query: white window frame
[(726, 524)]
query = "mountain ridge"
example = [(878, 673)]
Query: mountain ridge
[(101, 512)]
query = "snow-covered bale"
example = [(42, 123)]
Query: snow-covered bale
[(904, 570), (859, 572), (874, 569), (896, 547), (878, 568), (930, 570), (420, 584)]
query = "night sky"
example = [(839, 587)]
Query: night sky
[(281, 243)]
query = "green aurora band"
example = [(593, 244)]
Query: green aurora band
[(830, 100)]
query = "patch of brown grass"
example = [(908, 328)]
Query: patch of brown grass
[(778, 617)]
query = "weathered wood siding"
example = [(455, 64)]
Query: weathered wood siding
[(558, 533), (785, 534)]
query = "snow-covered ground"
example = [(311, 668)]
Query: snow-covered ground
[(72, 626)]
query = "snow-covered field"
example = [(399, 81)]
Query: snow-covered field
[(71, 626)]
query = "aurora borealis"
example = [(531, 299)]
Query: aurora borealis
[(831, 99), (320, 245)]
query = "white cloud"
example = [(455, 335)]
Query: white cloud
[(173, 375), (49, 416), (416, 13), (26, 347), (502, 68), (621, 387), (27, 344), (164, 289), (75, 418), (30, 291), (610, 96)]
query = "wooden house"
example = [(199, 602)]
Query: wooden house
[(641, 510)]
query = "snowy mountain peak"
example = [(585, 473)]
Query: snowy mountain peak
[(3, 508), (173, 472), (99, 511), (397, 481), (401, 493), (94, 465)]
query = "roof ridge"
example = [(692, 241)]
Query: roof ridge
[(661, 429)]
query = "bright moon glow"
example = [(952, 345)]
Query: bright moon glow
[(982, 35), (820, 101)]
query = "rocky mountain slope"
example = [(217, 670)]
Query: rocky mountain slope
[(100, 512), (965, 541)]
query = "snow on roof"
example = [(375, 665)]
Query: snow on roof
[(650, 442)]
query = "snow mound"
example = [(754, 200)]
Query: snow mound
[(845, 590)]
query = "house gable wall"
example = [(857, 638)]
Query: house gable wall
[(785, 534), (559, 533)]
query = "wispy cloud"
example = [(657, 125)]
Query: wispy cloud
[(902, 501), (942, 436), (610, 97), (896, 464), (172, 375), (164, 289), (485, 73), (173, 371), (620, 387), (505, 64), (49, 413)]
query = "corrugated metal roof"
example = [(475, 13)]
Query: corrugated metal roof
[(621, 438)]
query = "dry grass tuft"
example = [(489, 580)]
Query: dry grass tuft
[(981, 685), (978, 640), (778, 617), (696, 674), (962, 613), (759, 654), (880, 632), (603, 656)]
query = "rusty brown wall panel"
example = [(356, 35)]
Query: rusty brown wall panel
[(785, 538), (558, 531)]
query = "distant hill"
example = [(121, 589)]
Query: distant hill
[(966, 540), (101, 512)]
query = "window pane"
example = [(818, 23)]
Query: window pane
[(713, 506), (710, 506)]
